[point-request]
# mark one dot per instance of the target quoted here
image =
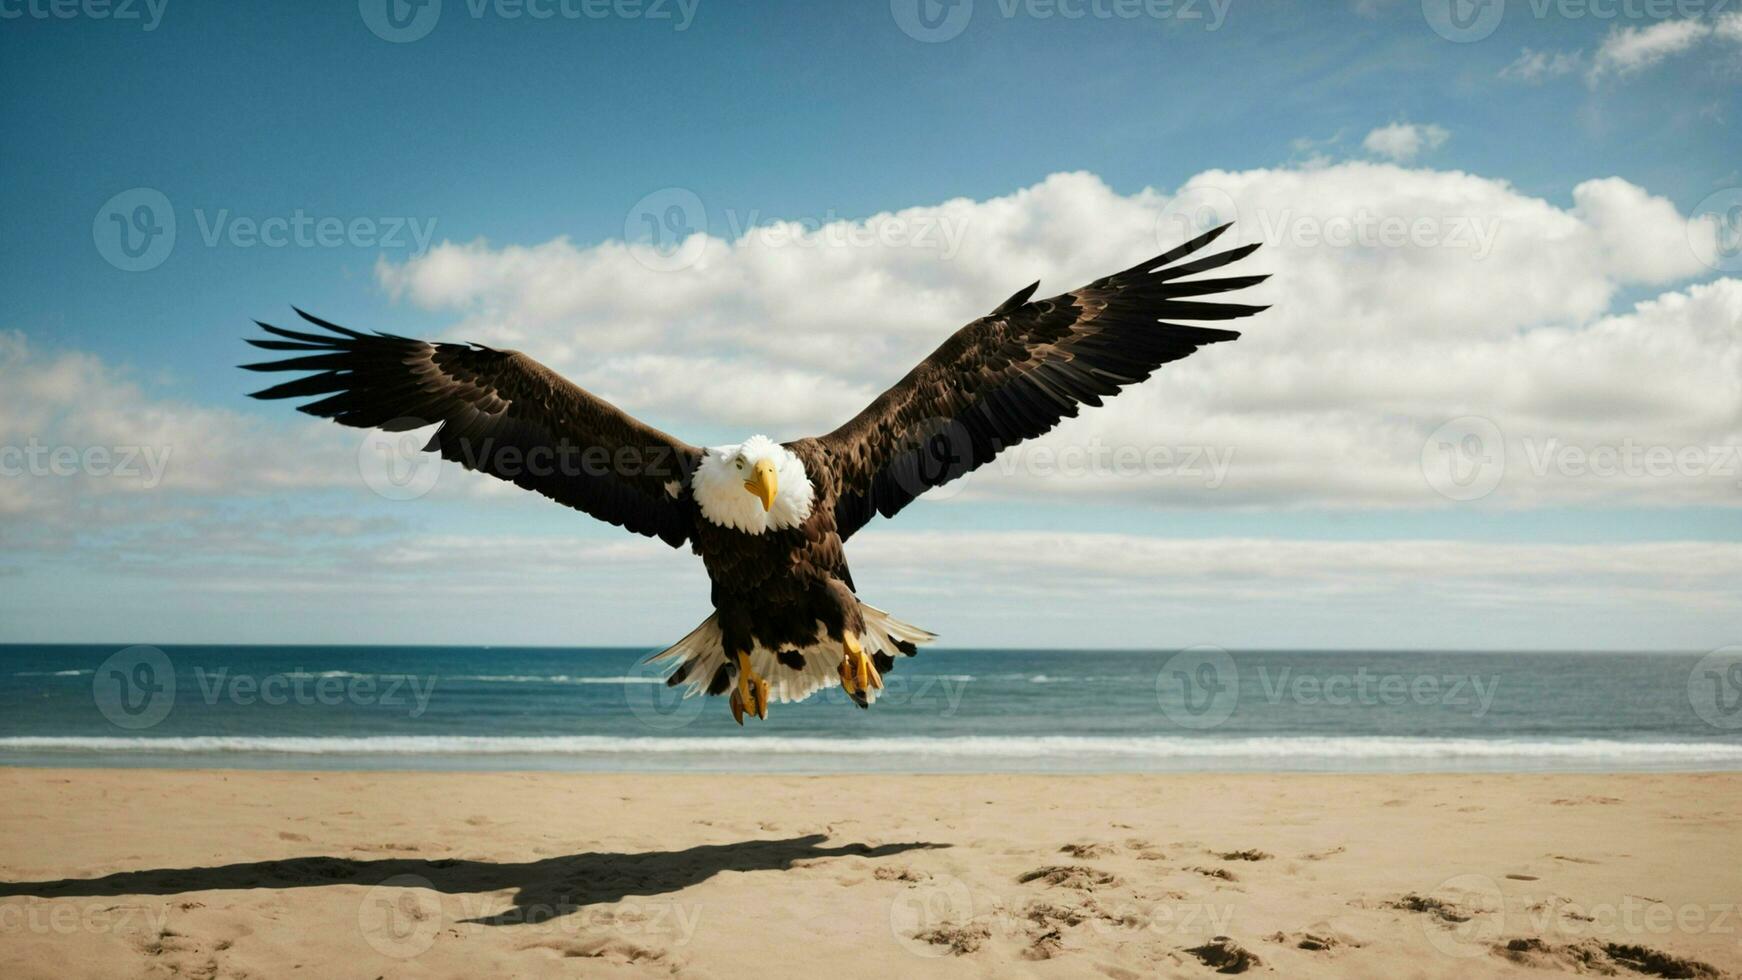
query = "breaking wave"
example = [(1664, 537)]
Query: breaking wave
[(1331, 750)]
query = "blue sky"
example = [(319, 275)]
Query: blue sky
[(499, 133)]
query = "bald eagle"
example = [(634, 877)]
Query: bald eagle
[(769, 519)]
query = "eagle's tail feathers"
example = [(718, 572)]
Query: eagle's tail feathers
[(700, 664)]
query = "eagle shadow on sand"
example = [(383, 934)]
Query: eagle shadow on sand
[(545, 889)]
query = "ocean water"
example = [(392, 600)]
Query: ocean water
[(946, 710)]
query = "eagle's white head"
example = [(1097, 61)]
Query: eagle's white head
[(754, 486)]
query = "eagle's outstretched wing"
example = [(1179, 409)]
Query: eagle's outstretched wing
[(1011, 375), (501, 412)]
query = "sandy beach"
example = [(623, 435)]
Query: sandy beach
[(112, 873)]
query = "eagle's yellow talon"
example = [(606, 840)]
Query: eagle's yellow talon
[(858, 673), (751, 696)]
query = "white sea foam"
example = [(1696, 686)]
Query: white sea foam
[(1087, 749)]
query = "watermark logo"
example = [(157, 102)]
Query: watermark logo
[(401, 916), (1470, 920), (1198, 687), (1196, 210), (1463, 21), (1715, 688), (939, 457), (135, 687), (1464, 459), (668, 229), (916, 916), (656, 705), (932, 21), (1715, 230), (400, 21), (393, 463), (135, 230), (935, 230)]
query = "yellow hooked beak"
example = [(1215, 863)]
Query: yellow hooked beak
[(763, 484)]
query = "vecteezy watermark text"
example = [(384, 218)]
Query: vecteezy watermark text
[(1470, 915), (147, 13), (1200, 687), (1469, 457), (1466, 21), (145, 464), (63, 918), (136, 688), (670, 229), (934, 21), (1369, 689), (1206, 464), (328, 689), (404, 21), (302, 230), (136, 230)]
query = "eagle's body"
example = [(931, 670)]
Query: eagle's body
[(770, 520)]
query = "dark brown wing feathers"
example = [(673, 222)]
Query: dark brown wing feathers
[(1013, 374), (501, 412)]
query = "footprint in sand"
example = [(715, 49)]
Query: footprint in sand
[(611, 950), (1044, 945), (1586, 800), (1087, 849), (1076, 876), (1312, 942), (1603, 957), (1250, 854), (1224, 955)]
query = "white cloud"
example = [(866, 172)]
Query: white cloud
[(1627, 51), (1404, 141), (1630, 50), (1729, 27), (1536, 66), (1404, 298), (72, 426)]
